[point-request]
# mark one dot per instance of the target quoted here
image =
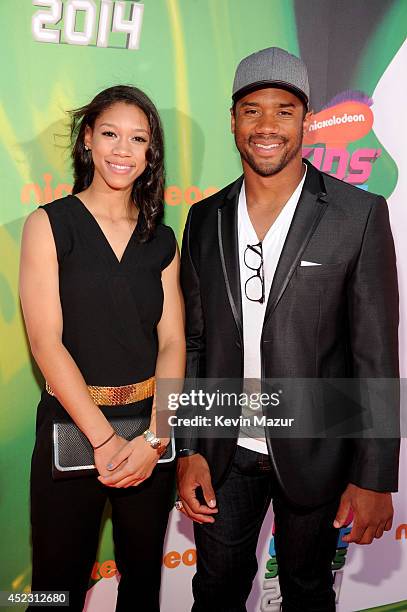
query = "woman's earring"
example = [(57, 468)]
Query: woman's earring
[(87, 148)]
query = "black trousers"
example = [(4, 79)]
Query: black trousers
[(66, 517), (305, 543)]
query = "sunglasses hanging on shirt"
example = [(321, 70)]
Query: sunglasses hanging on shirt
[(254, 286)]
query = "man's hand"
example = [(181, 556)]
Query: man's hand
[(193, 472), (373, 514)]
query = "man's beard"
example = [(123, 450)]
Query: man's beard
[(271, 168)]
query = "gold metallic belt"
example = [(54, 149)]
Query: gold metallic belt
[(117, 396)]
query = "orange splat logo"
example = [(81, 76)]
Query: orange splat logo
[(338, 125)]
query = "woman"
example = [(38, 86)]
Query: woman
[(102, 305)]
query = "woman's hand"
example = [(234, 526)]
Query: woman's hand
[(130, 465), (103, 455)]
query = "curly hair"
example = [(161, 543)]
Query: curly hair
[(148, 190)]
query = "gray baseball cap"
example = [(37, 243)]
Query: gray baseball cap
[(272, 67)]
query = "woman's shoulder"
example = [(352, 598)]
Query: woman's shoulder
[(60, 218), (165, 232), (38, 217), (168, 243), (59, 207)]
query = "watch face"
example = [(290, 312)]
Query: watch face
[(149, 436)]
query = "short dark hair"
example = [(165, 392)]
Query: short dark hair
[(148, 190)]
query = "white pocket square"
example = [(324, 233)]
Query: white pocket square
[(310, 263)]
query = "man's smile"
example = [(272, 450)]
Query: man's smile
[(265, 148)]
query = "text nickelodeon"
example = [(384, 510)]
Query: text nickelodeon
[(340, 124)]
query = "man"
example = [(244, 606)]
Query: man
[(287, 273)]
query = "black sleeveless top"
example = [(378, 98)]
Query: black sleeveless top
[(110, 308)]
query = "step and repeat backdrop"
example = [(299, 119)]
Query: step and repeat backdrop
[(56, 55)]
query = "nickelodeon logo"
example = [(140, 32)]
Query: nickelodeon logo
[(107, 569), (171, 560), (34, 193), (338, 125), (174, 558), (174, 195)]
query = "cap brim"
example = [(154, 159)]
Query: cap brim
[(273, 84)]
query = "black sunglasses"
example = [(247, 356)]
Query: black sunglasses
[(256, 286)]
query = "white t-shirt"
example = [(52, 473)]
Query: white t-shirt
[(253, 312)]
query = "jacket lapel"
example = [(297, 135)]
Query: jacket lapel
[(310, 209), (229, 251)]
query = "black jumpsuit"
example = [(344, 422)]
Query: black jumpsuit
[(110, 309)]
